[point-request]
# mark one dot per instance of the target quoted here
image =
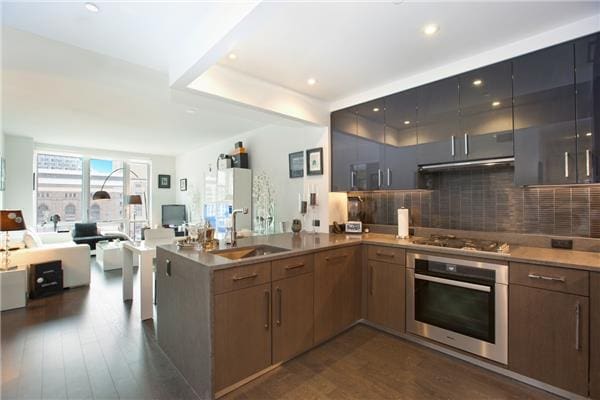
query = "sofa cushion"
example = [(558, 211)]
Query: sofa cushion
[(85, 230), (32, 240)]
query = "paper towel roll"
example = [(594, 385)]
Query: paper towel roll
[(403, 223)]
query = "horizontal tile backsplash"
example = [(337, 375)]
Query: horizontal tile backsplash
[(485, 199)]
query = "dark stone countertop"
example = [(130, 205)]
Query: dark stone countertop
[(307, 242)]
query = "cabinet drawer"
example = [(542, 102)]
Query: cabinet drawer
[(242, 277), (292, 266), (387, 254), (551, 278)]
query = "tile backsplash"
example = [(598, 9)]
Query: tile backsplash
[(485, 199)]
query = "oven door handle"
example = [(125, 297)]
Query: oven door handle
[(450, 282)]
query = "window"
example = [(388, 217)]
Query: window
[(57, 177), (138, 184), (110, 210)]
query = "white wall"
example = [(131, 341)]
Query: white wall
[(268, 150), (2, 154), (163, 165), (19, 176)]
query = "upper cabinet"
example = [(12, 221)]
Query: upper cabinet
[(438, 124), (486, 119), (370, 120), (587, 79), (544, 117)]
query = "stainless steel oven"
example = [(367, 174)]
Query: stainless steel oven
[(461, 303)]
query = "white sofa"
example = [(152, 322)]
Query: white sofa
[(58, 246)]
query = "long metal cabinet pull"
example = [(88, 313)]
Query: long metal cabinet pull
[(577, 323), (379, 178), (466, 143), (547, 278), (268, 304), (452, 146), (587, 162), (389, 177), (566, 164), (352, 178), (278, 306), (168, 271)]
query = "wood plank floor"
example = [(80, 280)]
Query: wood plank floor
[(87, 343)]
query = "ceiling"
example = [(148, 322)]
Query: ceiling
[(349, 47), (64, 95)]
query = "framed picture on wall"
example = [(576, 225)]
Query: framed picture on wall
[(314, 161), (183, 184), (164, 181), (296, 161)]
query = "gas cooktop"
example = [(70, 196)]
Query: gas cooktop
[(454, 242)]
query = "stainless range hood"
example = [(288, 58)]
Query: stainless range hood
[(464, 164)]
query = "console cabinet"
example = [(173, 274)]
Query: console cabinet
[(595, 335)]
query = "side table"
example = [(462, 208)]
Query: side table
[(13, 288), (108, 255)]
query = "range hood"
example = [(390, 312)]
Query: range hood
[(464, 164)]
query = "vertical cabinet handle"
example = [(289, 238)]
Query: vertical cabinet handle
[(168, 264), (587, 162), (372, 280), (379, 178), (577, 326), (566, 164), (278, 322), (389, 177), (268, 306), (466, 143), (452, 146), (352, 179)]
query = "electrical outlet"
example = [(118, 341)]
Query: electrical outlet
[(562, 244)]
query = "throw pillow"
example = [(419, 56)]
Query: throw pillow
[(32, 240)]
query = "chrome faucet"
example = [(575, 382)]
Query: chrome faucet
[(233, 224)]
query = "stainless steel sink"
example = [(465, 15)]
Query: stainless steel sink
[(240, 253)]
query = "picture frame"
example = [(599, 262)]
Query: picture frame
[(164, 181), (296, 164), (314, 161), (183, 185)]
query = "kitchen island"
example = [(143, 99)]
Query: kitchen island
[(226, 321)]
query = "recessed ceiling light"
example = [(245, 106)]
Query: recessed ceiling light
[(92, 7), (376, 109), (407, 122), (311, 81), (430, 29), (191, 111), (588, 134), (477, 82), (232, 56), (495, 104)]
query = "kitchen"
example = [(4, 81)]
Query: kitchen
[(496, 171)]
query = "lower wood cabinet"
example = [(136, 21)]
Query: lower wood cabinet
[(595, 335), (386, 294), (337, 290), (549, 337), (242, 334), (293, 323)]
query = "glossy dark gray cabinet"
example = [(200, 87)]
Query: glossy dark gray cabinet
[(344, 153), (438, 124), (587, 78), (544, 117), (486, 120)]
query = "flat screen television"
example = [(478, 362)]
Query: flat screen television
[(173, 214)]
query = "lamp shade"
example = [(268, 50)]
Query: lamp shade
[(101, 195), (134, 199), (11, 220)]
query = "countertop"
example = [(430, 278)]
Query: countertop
[(307, 242)]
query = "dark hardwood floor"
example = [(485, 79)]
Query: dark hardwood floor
[(87, 343)]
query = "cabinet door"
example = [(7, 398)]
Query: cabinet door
[(368, 169), (400, 164), (344, 153), (438, 126), (587, 78), (595, 334), (370, 120), (242, 334), (293, 322), (486, 112), (549, 337), (337, 291), (386, 295), (544, 117)]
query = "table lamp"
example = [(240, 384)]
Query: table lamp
[(10, 220)]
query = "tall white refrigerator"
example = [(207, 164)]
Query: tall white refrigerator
[(226, 190)]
